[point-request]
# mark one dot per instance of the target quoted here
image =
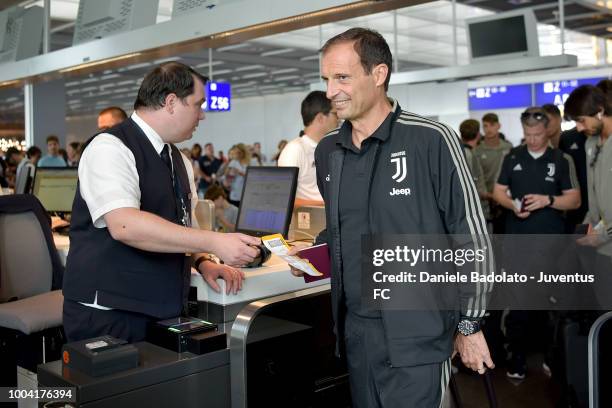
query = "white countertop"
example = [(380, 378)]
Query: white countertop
[(274, 278)]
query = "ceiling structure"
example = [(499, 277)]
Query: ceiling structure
[(289, 61), (592, 17)]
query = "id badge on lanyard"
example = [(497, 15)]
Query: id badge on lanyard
[(185, 215)]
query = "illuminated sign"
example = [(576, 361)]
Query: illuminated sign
[(218, 97), (499, 97), (557, 92)]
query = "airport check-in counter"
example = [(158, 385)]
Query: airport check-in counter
[(272, 279), (272, 345)]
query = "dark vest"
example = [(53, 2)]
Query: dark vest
[(127, 278)]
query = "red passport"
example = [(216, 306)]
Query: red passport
[(318, 256)]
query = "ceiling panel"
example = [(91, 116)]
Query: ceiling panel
[(290, 61)]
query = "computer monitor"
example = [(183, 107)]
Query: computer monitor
[(55, 187), (513, 34), (267, 200)]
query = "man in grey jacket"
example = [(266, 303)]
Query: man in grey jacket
[(386, 171), (590, 108)]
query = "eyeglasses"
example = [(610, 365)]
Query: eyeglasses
[(539, 116), (596, 155)]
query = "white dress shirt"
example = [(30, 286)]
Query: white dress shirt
[(108, 178)]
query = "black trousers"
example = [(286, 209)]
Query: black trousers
[(83, 322), (377, 384)]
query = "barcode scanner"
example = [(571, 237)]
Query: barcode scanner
[(261, 258)]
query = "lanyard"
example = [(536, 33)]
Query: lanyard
[(186, 215)]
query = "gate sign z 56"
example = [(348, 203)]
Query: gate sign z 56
[(218, 97)]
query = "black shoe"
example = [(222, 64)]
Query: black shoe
[(517, 367)]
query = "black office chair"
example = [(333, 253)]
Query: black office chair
[(30, 287), (24, 178)]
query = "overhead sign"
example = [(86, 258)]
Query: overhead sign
[(499, 97), (218, 97), (557, 92)]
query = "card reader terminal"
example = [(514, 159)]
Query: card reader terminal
[(100, 355), (175, 334)]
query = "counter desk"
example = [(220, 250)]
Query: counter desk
[(264, 323)]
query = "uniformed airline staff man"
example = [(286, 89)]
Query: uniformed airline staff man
[(395, 358), (130, 233)]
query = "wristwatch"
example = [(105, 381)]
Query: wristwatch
[(206, 257), (551, 198), (467, 326)]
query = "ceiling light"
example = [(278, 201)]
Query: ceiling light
[(103, 93), (255, 75), (243, 84), (286, 77), (249, 68), (169, 59), (222, 71), (109, 76), (233, 47), (277, 52), (284, 71), (207, 64)]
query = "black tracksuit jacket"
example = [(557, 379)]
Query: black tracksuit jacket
[(442, 200)]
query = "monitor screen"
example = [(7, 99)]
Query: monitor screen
[(267, 200), (55, 187), (502, 36)]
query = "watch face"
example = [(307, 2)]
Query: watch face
[(466, 327)]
